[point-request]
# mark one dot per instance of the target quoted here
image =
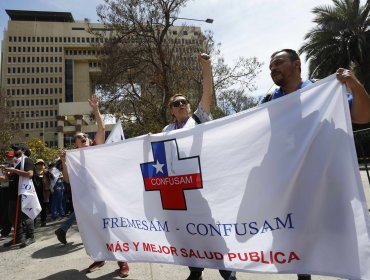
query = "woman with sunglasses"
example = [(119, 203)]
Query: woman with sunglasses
[(81, 140), (183, 118), (180, 107)]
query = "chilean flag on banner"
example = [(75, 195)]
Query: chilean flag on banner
[(171, 174)]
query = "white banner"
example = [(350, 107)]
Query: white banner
[(274, 189), (116, 134), (30, 202)]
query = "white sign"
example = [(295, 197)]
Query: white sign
[(274, 189), (29, 200)]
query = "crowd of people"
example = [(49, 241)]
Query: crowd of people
[(54, 195), (51, 180)]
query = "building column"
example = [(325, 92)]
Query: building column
[(60, 130), (78, 125)]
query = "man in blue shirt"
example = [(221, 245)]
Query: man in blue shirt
[(285, 67)]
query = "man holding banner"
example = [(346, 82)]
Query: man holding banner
[(285, 67), (23, 202)]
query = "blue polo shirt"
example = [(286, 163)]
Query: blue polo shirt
[(280, 93)]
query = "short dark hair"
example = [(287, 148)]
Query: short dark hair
[(23, 147), (293, 55)]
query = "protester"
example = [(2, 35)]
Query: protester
[(23, 225), (42, 179), (285, 67), (180, 110), (5, 224), (82, 140), (57, 207)]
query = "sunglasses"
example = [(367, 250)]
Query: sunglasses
[(80, 136), (179, 102)]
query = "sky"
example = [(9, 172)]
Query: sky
[(248, 28)]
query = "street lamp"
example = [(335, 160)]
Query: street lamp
[(208, 20)]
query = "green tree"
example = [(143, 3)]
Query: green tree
[(340, 39), (9, 124), (233, 83), (40, 151), (147, 60)]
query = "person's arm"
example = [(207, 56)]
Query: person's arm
[(100, 133), (64, 166), (206, 100), (360, 108), (3, 177), (21, 173)]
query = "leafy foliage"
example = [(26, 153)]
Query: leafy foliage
[(40, 151), (340, 39), (147, 60), (9, 125)]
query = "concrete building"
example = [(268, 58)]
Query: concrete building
[(48, 70)]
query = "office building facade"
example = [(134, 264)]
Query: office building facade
[(49, 67)]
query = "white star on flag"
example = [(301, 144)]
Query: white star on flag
[(158, 167)]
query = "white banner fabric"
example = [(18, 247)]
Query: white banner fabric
[(29, 200), (273, 189), (116, 134)]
